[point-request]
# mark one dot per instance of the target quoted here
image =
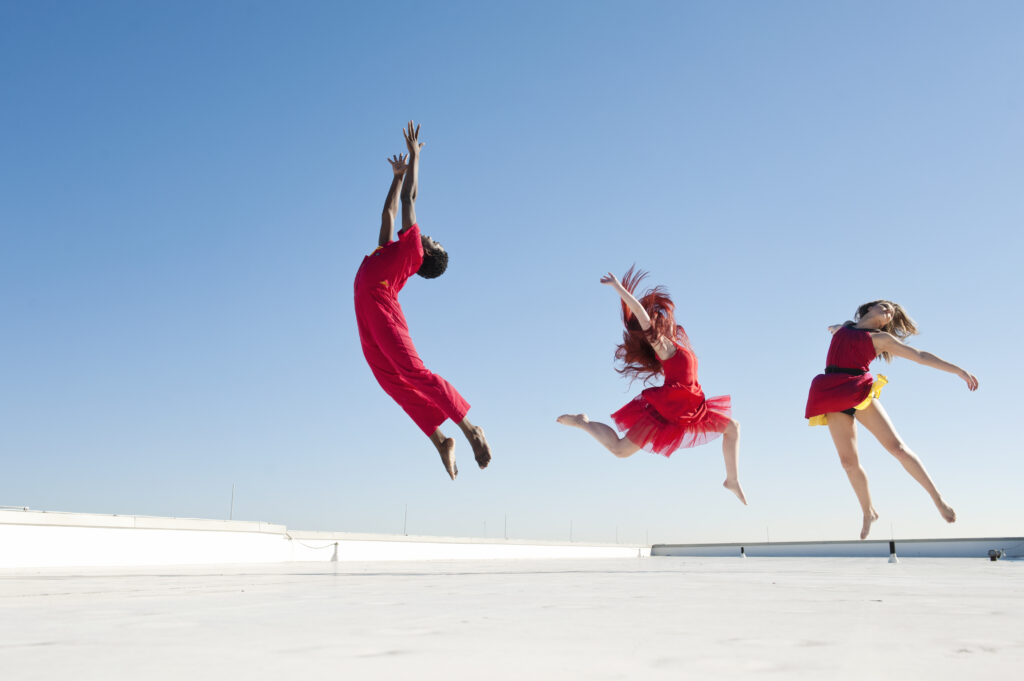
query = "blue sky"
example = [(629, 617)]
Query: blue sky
[(187, 189)]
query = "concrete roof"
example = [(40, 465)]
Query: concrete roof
[(652, 618)]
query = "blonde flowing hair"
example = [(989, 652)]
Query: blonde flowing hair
[(901, 325)]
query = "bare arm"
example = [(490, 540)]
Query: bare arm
[(885, 342), (835, 327), (387, 218), (411, 186), (632, 303), (663, 347)]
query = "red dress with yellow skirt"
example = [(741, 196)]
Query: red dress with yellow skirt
[(675, 414), (846, 383)]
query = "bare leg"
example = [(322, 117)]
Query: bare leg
[(446, 448), (475, 435), (604, 434), (876, 420), (844, 435), (731, 452)]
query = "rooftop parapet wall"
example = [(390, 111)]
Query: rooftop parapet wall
[(907, 548), (30, 539), (26, 516)]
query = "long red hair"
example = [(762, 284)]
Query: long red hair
[(635, 351)]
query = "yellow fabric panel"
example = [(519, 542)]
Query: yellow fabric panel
[(876, 390)]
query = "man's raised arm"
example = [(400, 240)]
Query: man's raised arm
[(387, 218), (409, 189)]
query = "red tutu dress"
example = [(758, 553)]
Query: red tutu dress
[(676, 414), (846, 383)]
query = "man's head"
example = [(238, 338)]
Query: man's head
[(435, 259)]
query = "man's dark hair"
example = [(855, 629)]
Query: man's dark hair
[(435, 262)]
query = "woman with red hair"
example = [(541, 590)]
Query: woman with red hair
[(675, 414)]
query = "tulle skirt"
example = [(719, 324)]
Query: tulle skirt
[(645, 426)]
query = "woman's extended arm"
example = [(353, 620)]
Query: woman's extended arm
[(632, 303), (663, 347), (886, 342)]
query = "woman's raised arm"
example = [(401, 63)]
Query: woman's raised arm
[(632, 303), (886, 342)]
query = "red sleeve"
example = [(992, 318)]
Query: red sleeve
[(410, 255)]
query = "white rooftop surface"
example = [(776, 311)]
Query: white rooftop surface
[(650, 618)]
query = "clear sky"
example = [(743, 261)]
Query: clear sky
[(187, 189)]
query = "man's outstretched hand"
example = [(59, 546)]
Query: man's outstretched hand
[(398, 164), (412, 139)]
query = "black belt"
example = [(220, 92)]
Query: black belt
[(844, 370)]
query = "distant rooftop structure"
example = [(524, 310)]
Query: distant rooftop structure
[(967, 547)]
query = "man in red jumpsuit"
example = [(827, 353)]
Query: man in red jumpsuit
[(427, 398)]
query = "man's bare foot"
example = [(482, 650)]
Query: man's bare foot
[(576, 420), (868, 519), (481, 450), (946, 510), (734, 487), (447, 451)]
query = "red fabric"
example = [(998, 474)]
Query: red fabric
[(427, 398), (851, 349), (385, 271), (676, 414)]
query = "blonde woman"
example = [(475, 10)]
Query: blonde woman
[(847, 393)]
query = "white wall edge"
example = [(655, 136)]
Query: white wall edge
[(36, 539)]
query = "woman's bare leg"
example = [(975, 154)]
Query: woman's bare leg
[(876, 420), (604, 434), (731, 452), (844, 435), (446, 448)]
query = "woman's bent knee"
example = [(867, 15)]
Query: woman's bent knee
[(848, 462), (625, 448), (900, 450)]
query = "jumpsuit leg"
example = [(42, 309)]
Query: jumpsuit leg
[(426, 397)]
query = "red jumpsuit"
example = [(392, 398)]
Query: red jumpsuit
[(427, 398)]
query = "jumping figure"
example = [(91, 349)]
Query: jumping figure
[(427, 398), (847, 392), (675, 414)]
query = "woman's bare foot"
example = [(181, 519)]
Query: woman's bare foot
[(446, 448), (868, 519), (946, 510), (734, 487), (481, 450), (576, 420)]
